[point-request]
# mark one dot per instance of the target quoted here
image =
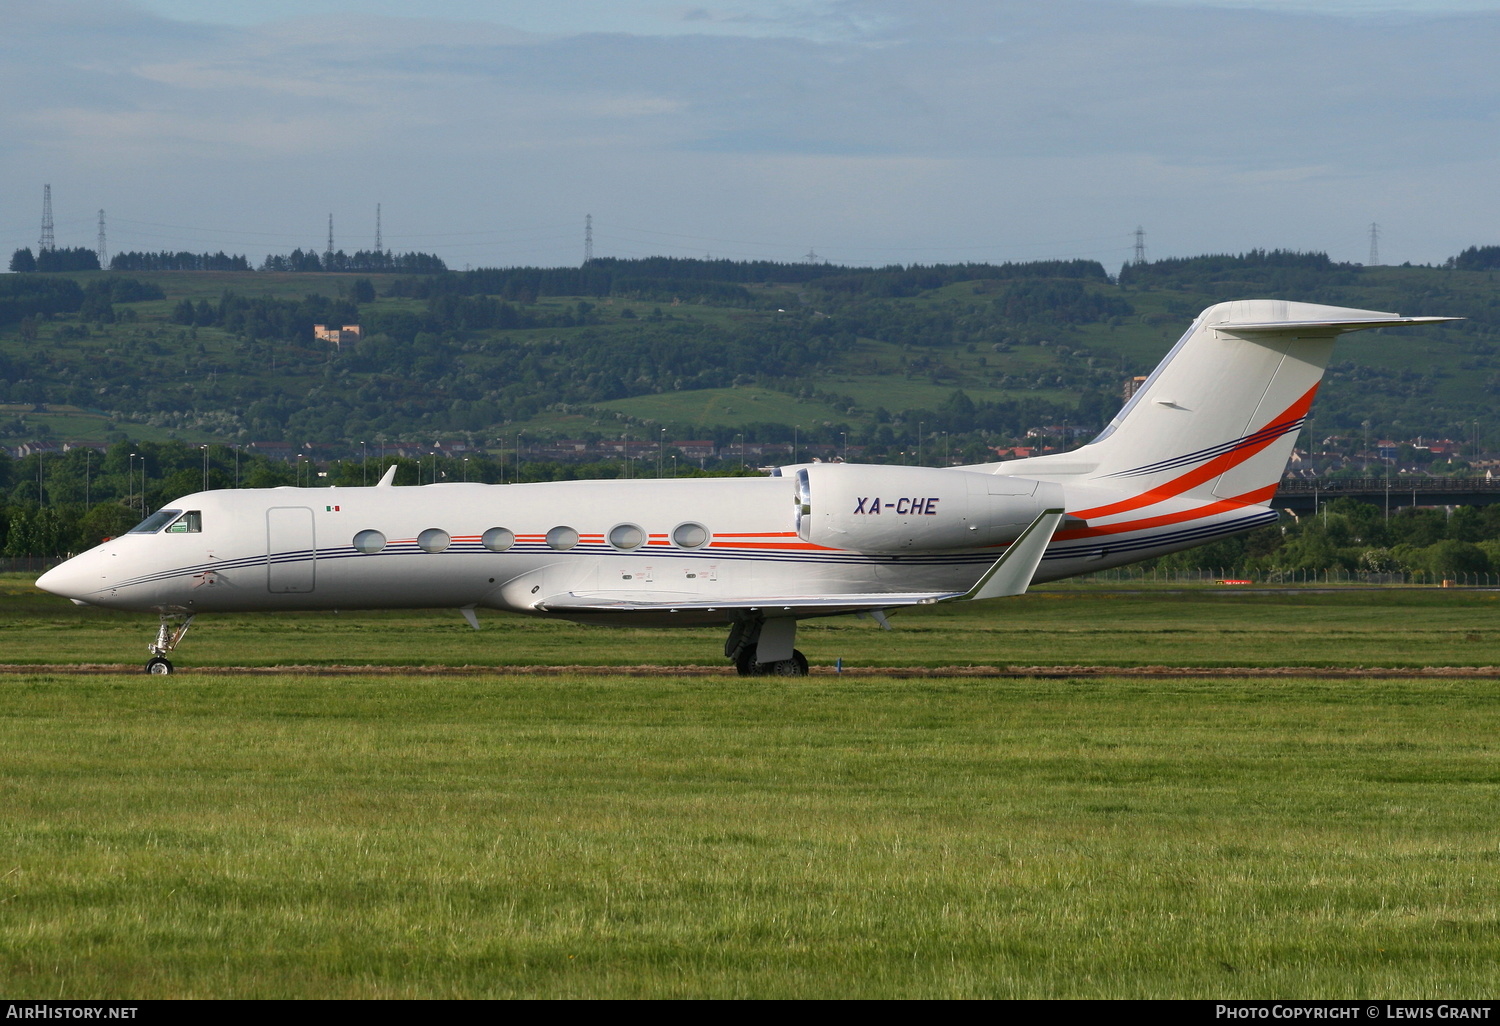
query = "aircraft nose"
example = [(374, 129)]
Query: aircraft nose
[(70, 580)]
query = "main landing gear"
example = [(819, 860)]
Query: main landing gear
[(168, 636), (763, 648), (746, 665)]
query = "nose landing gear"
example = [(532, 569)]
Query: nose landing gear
[(168, 635)]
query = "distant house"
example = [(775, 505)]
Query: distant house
[(338, 336), (274, 450), (695, 450)]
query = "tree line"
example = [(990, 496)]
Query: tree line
[(182, 261), (1346, 534), (22, 298), (366, 261), (78, 258)]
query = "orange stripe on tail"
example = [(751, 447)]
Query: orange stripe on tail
[(1210, 470)]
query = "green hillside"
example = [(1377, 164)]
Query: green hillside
[(714, 350)]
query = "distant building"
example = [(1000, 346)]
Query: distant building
[(338, 336), (695, 450), (1133, 385)]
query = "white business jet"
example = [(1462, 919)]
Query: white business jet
[(1195, 455)]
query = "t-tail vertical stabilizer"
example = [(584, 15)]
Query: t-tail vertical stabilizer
[(1218, 417)]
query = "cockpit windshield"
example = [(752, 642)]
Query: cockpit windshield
[(156, 521), (190, 522)]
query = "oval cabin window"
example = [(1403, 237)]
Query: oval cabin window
[(498, 539), (627, 536), (690, 536), (434, 539), (369, 542), (562, 538)]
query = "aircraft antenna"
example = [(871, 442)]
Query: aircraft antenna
[(46, 241), (378, 247), (328, 253), (1374, 245), (1140, 245), (588, 237), (103, 250)]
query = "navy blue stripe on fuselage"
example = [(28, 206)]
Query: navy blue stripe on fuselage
[(1080, 549), (1265, 434)]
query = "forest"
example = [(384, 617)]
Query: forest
[(946, 362)]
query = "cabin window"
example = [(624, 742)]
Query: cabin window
[(190, 522), (690, 536), (562, 538), (369, 542), (627, 536), (498, 539), (434, 539), (156, 521)]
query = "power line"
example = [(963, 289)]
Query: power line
[(1140, 245), (328, 253), (378, 247), (1374, 244), (103, 251), (588, 238)]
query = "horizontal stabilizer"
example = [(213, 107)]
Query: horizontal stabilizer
[(1351, 324)]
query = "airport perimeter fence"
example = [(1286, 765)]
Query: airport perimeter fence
[(28, 564), (1233, 575)]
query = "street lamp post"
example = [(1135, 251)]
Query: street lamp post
[(205, 466), (661, 448)]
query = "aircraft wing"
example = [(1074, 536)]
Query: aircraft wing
[(771, 605), (1009, 575)]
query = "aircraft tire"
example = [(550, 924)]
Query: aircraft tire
[(796, 666), (159, 666), (747, 666)]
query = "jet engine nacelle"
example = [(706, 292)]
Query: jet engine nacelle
[(899, 509)]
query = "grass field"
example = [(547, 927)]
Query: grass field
[(502, 835), (1060, 625), (570, 837)]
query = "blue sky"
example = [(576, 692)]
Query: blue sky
[(875, 131)]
